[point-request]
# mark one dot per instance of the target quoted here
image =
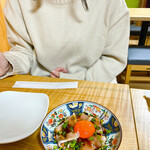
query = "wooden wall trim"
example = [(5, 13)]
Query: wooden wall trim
[(142, 3)]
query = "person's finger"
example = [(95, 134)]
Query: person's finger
[(65, 71), (53, 76), (61, 69), (55, 73)]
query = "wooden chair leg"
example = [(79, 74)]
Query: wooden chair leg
[(128, 74)]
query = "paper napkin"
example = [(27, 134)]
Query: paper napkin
[(45, 85)]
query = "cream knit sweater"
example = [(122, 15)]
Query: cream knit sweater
[(46, 34)]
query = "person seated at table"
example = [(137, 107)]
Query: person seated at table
[(73, 39)]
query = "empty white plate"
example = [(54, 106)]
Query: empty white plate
[(21, 113)]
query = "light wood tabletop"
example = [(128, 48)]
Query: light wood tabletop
[(139, 14), (141, 107), (115, 97)]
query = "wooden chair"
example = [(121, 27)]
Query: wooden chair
[(138, 60), (4, 46)]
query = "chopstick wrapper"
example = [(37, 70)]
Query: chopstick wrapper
[(45, 85)]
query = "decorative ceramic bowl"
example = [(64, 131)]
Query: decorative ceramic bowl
[(110, 122)]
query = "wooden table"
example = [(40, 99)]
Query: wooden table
[(141, 107), (115, 97), (141, 14)]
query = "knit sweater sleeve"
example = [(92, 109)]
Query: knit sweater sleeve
[(114, 57), (20, 55)]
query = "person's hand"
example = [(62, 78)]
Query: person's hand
[(4, 65), (56, 73)]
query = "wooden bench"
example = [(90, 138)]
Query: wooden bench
[(138, 60)]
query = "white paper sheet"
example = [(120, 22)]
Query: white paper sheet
[(46, 85)]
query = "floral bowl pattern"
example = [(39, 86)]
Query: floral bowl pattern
[(110, 122)]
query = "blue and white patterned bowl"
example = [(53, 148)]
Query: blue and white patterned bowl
[(110, 122)]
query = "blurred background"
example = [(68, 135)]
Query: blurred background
[(135, 31)]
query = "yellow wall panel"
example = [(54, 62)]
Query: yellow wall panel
[(4, 46)]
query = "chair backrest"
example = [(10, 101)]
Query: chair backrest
[(4, 46)]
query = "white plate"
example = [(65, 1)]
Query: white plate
[(21, 114)]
